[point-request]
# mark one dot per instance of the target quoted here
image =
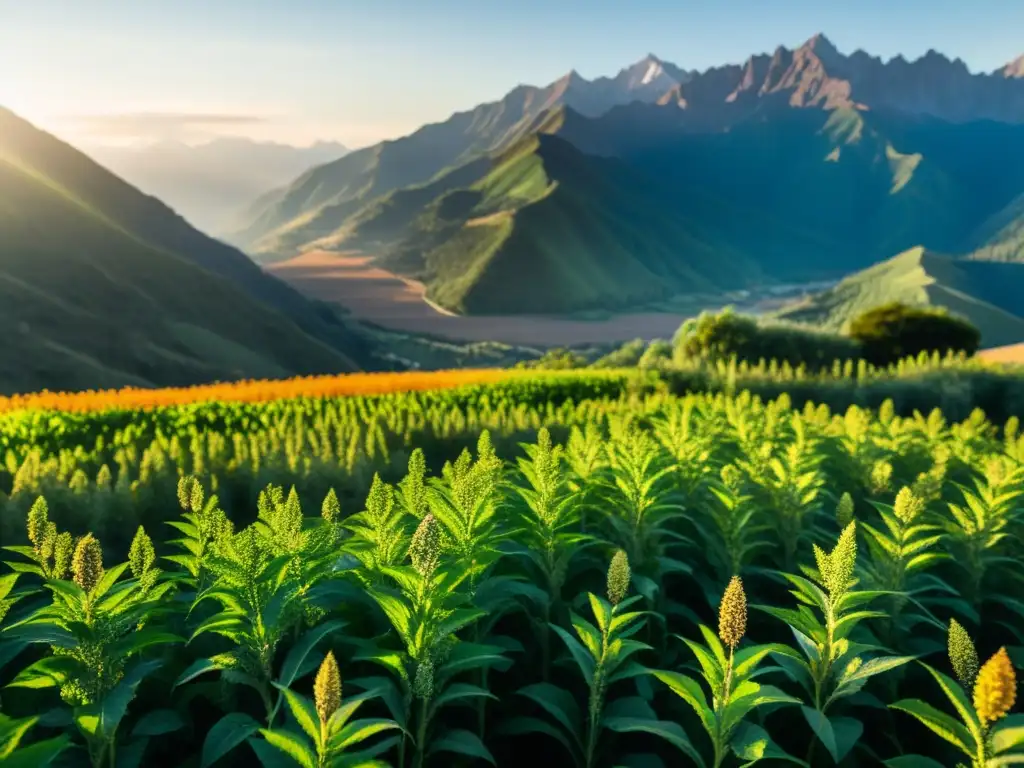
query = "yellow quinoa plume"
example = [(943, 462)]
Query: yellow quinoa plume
[(732, 613), (327, 688), (996, 688)]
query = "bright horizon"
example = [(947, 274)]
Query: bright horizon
[(362, 72)]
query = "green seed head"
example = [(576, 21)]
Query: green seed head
[(46, 546), (425, 548), (185, 492), (844, 510), (881, 476), (962, 655), (196, 497), (87, 562), (908, 506), (732, 478), (618, 577), (423, 683), (141, 554), (38, 521), (331, 509), (836, 568), (63, 550)]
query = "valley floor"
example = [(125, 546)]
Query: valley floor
[(392, 302), (396, 303)]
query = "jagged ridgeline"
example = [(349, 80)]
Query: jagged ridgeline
[(539, 566), (798, 166)]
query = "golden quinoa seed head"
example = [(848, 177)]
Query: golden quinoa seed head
[(327, 688), (732, 613), (996, 688), (87, 562), (962, 655), (618, 577)]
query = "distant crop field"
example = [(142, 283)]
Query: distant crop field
[(263, 390)]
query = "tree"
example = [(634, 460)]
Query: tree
[(895, 331)]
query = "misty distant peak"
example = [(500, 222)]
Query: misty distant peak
[(1015, 68)]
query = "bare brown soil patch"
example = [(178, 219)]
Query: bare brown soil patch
[(396, 303)]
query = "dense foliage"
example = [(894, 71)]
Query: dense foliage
[(644, 580), (894, 331), (728, 334), (882, 336)]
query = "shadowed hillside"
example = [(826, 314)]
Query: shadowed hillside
[(102, 286)]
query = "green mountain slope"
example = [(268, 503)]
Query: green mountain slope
[(987, 294), (1001, 238), (319, 202), (149, 220), (543, 228), (865, 183), (88, 301)]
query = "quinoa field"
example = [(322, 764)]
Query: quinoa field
[(575, 569)]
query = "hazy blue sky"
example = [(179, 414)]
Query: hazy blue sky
[(363, 70)]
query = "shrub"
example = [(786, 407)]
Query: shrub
[(728, 334), (626, 356), (557, 359), (657, 354), (895, 331)]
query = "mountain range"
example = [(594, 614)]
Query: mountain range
[(104, 286), (211, 184), (802, 164)]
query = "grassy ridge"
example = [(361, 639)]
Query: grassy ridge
[(985, 293)]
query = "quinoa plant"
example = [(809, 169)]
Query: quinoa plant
[(728, 675), (426, 607), (603, 654), (982, 697), (327, 723), (831, 665)]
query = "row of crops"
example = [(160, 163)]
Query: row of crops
[(483, 576)]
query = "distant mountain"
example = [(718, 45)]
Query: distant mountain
[(101, 286), (1001, 237), (805, 164), (211, 184), (986, 293), (646, 95), (541, 227), (335, 190), (1014, 69)]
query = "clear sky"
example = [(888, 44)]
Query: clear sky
[(358, 71)]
